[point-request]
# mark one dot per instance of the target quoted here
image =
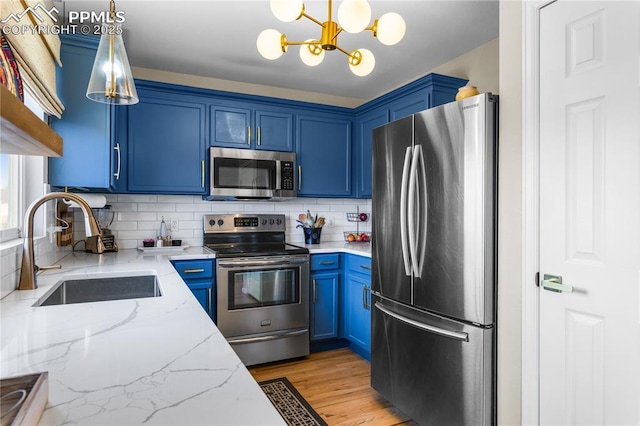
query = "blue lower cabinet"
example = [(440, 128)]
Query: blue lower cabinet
[(358, 312), (200, 278), (324, 305)]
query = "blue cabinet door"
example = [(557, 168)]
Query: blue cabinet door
[(324, 305), (364, 134), (87, 127), (410, 104), (200, 278), (230, 126), (358, 312), (323, 148), (274, 131), (166, 145)]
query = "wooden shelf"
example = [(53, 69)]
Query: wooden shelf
[(22, 133)]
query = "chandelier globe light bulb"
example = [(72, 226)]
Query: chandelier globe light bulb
[(354, 15), (269, 44), (390, 28), (287, 10)]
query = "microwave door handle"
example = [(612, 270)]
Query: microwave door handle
[(403, 212), (278, 175)]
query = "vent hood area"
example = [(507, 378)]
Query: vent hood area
[(22, 133)]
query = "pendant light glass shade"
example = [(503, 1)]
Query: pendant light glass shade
[(390, 28), (366, 65), (111, 80), (311, 54), (287, 10), (354, 15), (269, 44)]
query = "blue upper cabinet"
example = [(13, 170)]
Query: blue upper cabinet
[(166, 144), (427, 92), (323, 148), (364, 135), (91, 152), (238, 125), (274, 130)]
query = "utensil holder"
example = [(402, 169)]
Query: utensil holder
[(312, 235)]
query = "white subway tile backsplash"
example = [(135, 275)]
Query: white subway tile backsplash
[(141, 215)]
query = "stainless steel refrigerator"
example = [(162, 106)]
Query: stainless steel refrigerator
[(433, 352)]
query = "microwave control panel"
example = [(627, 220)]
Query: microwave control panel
[(286, 176)]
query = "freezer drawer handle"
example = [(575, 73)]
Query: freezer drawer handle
[(441, 331)]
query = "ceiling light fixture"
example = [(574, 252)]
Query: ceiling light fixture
[(353, 17), (111, 80)]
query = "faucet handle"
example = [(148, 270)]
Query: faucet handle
[(46, 268)]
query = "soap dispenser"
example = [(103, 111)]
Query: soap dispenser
[(163, 230)]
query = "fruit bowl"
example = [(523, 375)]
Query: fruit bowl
[(357, 237)]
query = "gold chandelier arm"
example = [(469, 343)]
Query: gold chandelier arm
[(298, 43), (311, 18), (343, 51)]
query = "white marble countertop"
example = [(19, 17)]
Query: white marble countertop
[(150, 360), (362, 249)]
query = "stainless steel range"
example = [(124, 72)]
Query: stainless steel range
[(262, 286)]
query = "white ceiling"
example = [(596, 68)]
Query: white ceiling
[(217, 39)]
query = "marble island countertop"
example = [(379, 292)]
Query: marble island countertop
[(150, 360)]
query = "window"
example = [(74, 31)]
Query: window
[(10, 194), (17, 185)]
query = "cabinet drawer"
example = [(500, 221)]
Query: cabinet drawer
[(192, 269), (321, 262), (359, 264)]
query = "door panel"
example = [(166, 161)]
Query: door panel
[(390, 144), (589, 203), (456, 225)]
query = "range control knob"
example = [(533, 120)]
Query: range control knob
[(212, 222), (264, 221), (220, 222), (278, 221), (270, 221)]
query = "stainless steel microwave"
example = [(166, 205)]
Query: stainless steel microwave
[(238, 174)]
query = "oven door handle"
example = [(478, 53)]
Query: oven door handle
[(239, 341), (262, 263)]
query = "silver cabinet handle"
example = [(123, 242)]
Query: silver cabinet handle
[(327, 262), (403, 212), (117, 172), (313, 291), (193, 271), (368, 268), (554, 283), (458, 335), (258, 135), (248, 135), (299, 177)]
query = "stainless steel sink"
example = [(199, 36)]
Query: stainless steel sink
[(101, 289)]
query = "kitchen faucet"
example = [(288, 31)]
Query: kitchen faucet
[(29, 268)]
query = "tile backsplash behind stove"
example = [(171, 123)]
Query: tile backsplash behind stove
[(138, 216)]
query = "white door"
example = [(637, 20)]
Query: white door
[(590, 212)]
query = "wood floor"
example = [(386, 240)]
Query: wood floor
[(336, 384)]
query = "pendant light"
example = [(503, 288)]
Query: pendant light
[(111, 80)]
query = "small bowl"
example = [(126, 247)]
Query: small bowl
[(176, 242)]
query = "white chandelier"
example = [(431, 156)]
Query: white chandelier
[(353, 17)]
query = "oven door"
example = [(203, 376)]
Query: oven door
[(262, 295)]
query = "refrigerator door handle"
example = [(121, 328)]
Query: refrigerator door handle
[(457, 335), (413, 186), (403, 212), (423, 220)]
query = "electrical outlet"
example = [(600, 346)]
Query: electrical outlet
[(173, 224)]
